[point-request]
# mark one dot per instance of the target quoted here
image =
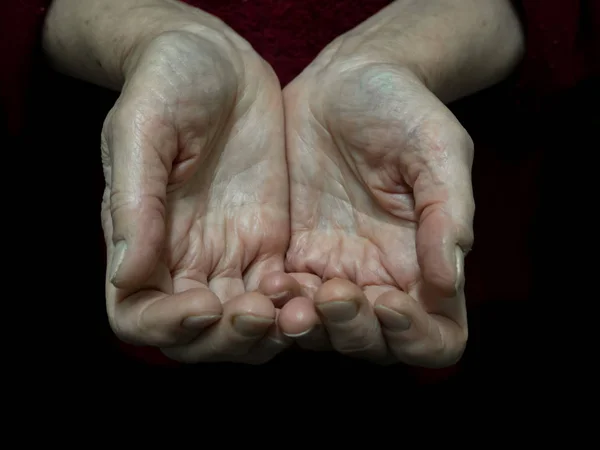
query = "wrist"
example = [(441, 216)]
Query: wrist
[(212, 43), (100, 42), (455, 49), (356, 51), (179, 19)]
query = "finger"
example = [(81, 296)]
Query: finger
[(298, 317), (257, 271), (280, 287), (246, 319), (349, 319), (273, 343), (440, 258), (444, 201), (141, 154), (299, 320), (416, 337), (154, 318)]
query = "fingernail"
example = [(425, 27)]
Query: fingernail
[(117, 259), (460, 267), (251, 326), (392, 320), (297, 335), (280, 295), (339, 311), (199, 322)]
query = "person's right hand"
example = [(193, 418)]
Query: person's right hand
[(195, 210)]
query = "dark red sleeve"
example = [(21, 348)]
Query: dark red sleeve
[(21, 23), (289, 34), (562, 44)]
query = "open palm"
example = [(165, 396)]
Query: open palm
[(195, 210), (381, 214)]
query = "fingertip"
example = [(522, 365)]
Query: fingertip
[(338, 290), (156, 319), (129, 273), (435, 245), (439, 274), (250, 326), (460, 269), (194, 302), (246, 320), (391, 319), (182, 316), (251, 314), (137, 249), (118, 255), (198, 323), (297, 317), (398, 312), (299, 321), (275, 334), (251, 303), (280, 287), (414, 336), (398, 301)]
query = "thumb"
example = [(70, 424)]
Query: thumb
[(137, 177), (445, 230)]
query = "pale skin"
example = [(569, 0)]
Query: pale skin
[(233, 233)]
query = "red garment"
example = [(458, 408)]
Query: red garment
[(563, 38), (21, 23), (562, 41), (562, 49)]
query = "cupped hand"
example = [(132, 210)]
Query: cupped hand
[(381, 215), (195, 210)]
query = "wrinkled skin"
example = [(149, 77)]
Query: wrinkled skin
[(197, 186), (381, 215), (194, 160)]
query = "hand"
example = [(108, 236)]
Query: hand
[(382, 208), (195, 209)]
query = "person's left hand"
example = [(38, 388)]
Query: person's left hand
[(381, 211)]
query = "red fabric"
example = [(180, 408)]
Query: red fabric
[(563, 38), (289, 34), (21, 22), (562, 44), (562, 49)]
